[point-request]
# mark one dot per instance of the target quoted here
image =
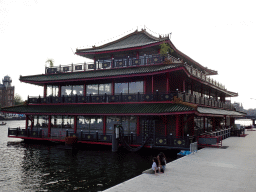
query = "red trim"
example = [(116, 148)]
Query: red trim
[(152, 84)]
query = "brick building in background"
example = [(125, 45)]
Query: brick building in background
[(6, 92)]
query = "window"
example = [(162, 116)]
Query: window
[(52, 90), (71, 90), (129, 88), (90, 124), (98, 89)]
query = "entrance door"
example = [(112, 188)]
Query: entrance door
[(148, 130)]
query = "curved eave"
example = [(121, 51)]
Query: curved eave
[(91, 55), (170, 68), (227, 93), (102, 109), (185, 57), (205, 111)]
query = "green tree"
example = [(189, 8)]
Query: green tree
[(17, 99), (165, 49), (50, 62)]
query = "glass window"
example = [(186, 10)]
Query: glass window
[(52, 90), (121, 87), (83, 122), (66, 90), (67, 121), (129, 124), (105, 88), (56, 121), (92, 89), (111, 121), (78, 90), (135, 87)]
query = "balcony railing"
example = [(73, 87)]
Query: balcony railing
[(129, 62), (151, 97), (112, 63)]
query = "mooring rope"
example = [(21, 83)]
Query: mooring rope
[(126, 145)]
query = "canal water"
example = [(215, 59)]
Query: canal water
[(50, 167)]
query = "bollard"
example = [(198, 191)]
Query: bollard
[(81, 134), (67, 133)]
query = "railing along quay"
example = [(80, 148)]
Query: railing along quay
[(151, 97)]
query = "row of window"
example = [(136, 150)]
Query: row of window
[(96, 89), (86, 123)]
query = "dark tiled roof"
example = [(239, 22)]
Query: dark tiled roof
[(93, 109), (135, 39), (37, 79), (205, 110)]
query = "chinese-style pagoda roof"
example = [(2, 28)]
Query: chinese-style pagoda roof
[(97, 74), (136, 41), (101, 109), (211, 111), (118, 109)]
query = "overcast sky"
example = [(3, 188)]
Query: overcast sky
[(220, 35)]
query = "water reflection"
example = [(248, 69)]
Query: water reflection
[(41, 167)]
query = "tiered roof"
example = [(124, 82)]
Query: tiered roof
[(136, 41)]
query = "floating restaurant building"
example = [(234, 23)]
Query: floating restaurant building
[(167, 97)]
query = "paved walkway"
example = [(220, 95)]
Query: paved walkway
[(210, 169)]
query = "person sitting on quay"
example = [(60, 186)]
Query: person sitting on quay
[(162, 161), (155, 165)]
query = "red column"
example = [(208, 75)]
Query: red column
[(138, 125), (192, 87), (104, 124), (165, 125), (145, 85), (204, 124), (45, 90), (177, 125), (193, 125), (152, 86), (84, 93), (137, 54), (113, 88), (75, 124), (167, 82), (26, 122), (184, 85), (213, 124), (49, 126), (59, 93)]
